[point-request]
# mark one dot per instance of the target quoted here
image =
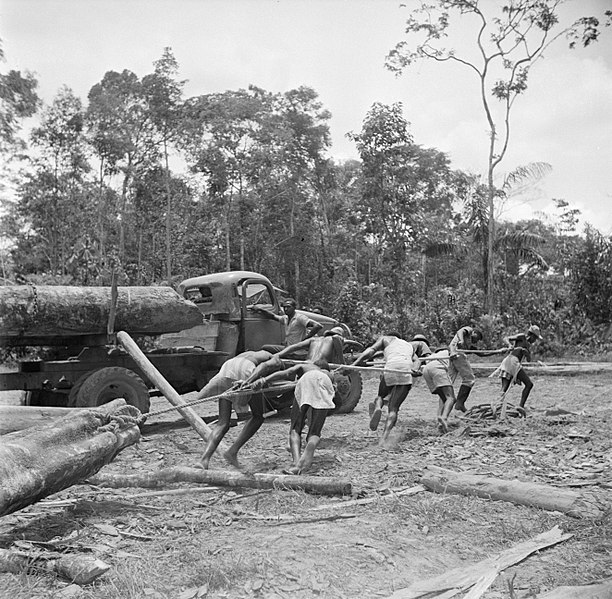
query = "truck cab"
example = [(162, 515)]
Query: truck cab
[(227, 300)]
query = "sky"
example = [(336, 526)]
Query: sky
[(338, 47)]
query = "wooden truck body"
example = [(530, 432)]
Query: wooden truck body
[(186, 335)]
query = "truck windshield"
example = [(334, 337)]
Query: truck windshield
[(255, 293)]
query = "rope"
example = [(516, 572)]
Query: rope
[(267, 392)]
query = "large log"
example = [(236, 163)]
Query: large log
[(537, 495), (18, 418), (29, 313), (183, 474), (75, 568), (43, 460)]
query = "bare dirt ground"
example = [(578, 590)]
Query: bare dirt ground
[(272, 543)]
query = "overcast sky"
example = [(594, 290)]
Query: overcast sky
[(338, 48)]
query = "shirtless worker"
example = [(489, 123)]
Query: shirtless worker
[(314, 394), (232, 372), (511, 369), (396, 380)]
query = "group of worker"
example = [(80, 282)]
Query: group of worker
[(314, 390)]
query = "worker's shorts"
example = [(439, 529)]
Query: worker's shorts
[(299, 415), (435, 374), (460, 367), (509, 368)]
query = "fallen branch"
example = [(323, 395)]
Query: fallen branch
[(538, 495), (481, 574), (182, 474), (392, 494), (77, 569)]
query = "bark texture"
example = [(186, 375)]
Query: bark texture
[(42, 460), (39, 311)]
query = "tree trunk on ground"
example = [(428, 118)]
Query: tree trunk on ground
[(53, 312), (75, 568), (537, 495), (160, 478), (43, 460), (17, 418), (602, 590)]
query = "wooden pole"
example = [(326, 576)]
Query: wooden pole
[(189, 414), (311, 484)]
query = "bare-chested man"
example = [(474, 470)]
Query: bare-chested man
[(314, 394), (232, 372)]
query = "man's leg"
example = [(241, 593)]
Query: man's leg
[(446, 395), (251, 426), (464, 370), (396, 399), (298, 421), (312, 439), (219, 430), (375, 407), (523, 377)]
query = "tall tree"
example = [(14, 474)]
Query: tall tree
[(123, 135), (164, 93), (508, 38)]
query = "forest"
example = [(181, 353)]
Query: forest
[(141, 181)]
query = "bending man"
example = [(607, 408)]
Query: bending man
[(314, 394), (396, 380)]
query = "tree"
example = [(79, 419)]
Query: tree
[(164, 93), (508, 39)]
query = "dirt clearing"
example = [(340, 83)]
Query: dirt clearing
[(260, 543)]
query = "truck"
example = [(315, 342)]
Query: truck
[(88, 368)]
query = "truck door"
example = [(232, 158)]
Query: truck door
[(259, 329)]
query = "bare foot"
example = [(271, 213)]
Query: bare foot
[(375, 419), (292, 470), (232, 460), (203, 463), (442, 424)]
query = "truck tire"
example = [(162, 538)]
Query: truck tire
[(348, 392), (107, 384)]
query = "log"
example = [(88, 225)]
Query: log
[(182, 474), (32, 314), (17, 418), (537, 495), (480, 575), (602, 590), (189, 414), (75, 568), (45, 459)]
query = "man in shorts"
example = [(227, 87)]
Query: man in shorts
[(232, 372), (465, 338), (436, 375), (396, 380), (511, 369), (314, 398)]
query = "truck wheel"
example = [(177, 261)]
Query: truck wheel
[(76, 388), (348, 392), (107, 384)]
